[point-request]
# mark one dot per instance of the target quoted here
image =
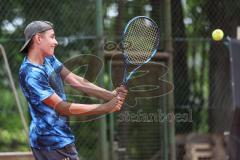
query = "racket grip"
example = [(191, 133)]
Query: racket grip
[(124, 82)]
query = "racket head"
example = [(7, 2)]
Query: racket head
[(140, 40)]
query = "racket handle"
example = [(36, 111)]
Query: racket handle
[(124, 83)]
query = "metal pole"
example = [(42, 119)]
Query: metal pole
[(103, 126), (112, 143), (168, 26), (169, 49), (164, 99), (165, 127), (24, 122)]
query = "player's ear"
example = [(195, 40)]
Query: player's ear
[(37, 38)]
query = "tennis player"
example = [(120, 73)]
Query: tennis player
[(41, 77)]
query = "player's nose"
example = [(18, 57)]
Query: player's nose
[(55, 43)]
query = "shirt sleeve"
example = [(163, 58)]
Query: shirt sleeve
[(38, 87), (57, 64)]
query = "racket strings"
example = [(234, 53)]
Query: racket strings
[(141, 38)]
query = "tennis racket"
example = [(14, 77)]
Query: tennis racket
[(139, 43)]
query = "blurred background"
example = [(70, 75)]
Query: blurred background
[(197, 114)]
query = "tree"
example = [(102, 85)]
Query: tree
[(180, 66), (219, 67)]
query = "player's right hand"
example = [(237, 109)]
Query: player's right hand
[(115, 104)]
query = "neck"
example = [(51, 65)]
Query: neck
[(35, 56)]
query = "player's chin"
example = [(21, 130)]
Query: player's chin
[(50, 53)]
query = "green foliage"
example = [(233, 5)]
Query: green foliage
[(195, 14), (128, 10), (13, 137)]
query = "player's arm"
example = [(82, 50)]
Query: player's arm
[(89, 88), (66, 108)]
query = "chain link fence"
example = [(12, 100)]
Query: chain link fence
[(201, 71)]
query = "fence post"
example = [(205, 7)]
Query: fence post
[(170, 101), (103, 126)]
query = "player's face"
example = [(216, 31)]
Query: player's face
[(48, 42)]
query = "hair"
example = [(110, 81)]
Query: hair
[(30, 44)]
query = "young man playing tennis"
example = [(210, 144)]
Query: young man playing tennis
[(41, 78)]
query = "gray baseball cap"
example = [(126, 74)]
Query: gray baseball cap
[(32, 29)]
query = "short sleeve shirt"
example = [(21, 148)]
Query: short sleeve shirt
[(48, 129)]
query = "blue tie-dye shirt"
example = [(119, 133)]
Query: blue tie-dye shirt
[(48, 129)]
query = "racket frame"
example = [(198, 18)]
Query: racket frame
[(126, 76)]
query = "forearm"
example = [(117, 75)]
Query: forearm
[(67, 108), (94, 90), (70, 109), (85, 86)]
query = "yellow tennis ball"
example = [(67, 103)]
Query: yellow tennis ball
[(217, 35)]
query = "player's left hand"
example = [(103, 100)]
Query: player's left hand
[(120, 91)]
